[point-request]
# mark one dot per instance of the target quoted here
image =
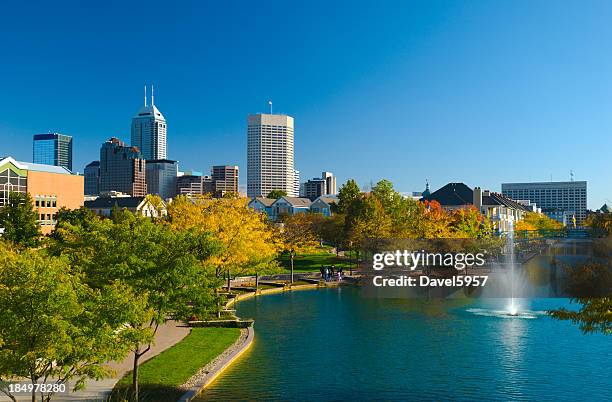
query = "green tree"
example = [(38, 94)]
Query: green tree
[(348, 193), (601, 222), (533, 221), (54, 327), (247, 237), (153, 260), (158, 204), (469, 223), (80, 217), (369, 222), (19, 220), (589, 284), (331, 230), (297, 232), (594, 315), (386, 194), (276, 194)]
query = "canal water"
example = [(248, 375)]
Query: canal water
[(335, 344)]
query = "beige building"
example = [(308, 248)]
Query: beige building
[(51, 188)]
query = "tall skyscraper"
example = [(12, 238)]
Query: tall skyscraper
[(149, 130), (330, 183), (161, 177), (270, 155), (92, 178), (122, 169), (53, 149), (562, 200)]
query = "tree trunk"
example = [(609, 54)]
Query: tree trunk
[(292, 268), (135, 376), (33, 390), (229, 279), (256, 282)]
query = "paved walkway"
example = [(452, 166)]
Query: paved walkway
[(167, 335)]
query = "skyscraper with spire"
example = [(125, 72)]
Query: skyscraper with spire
[(149, 130)]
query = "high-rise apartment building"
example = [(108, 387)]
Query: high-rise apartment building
[(53, 149), (92, 178), (561, 200), (225, 179), (149, 130), (161, 177), (122, 169), (270, 153), (330, 183)]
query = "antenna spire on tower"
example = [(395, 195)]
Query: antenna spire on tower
[(145, 95), (270, 103), (152, 95)]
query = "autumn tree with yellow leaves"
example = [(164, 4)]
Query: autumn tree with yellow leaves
[(249, 242)]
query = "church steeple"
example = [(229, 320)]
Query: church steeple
[(426, 193)]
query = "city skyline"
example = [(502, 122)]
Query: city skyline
[(443, 84)]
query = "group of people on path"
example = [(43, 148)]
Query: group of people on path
[(330, 273)]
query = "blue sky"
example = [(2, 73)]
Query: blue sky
[(482, 92)]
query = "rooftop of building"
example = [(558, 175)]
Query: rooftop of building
[(149, 111), (119, 202), (545, 183), (35, 167), (160, 161), (491, 198), (50, 136), (296, 201), (459, 194), (264, 200), (328, 199), (452, 194)]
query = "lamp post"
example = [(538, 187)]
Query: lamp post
[(292, 255), (350, 259)]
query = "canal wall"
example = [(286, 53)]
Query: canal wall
[(236, 350)]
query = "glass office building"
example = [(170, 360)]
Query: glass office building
[(53, 149), (161, 177)]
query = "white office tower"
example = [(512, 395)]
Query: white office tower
[(330, 183), (149, 130), (270, 155)]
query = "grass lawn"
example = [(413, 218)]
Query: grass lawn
[(308, 262), (160, 376)]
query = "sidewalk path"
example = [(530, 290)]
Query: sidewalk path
[(167, 335)]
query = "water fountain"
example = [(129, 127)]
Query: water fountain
[(512, 308)]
